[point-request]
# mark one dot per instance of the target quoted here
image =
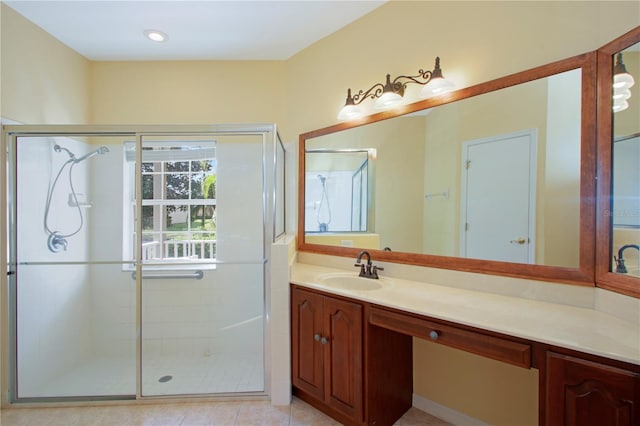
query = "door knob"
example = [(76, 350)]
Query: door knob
[(324, 340), (521, 240), (316, 337)]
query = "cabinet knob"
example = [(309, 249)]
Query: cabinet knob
[(324, 340), (316, 337), (434, 335)]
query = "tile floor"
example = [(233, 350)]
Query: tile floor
[(224, 413)]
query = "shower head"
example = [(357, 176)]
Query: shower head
[(58, 148), (101, 150)]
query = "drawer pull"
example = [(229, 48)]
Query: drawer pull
[(324, 340), (316, 337), (434, 335)]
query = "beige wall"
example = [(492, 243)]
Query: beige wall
[(187, 92), (43, 81), (497, 393)]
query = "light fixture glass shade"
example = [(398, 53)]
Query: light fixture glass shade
[(436, 86), (349, 112), (623, 81), (621, 94), (387, 100), (620, 105)]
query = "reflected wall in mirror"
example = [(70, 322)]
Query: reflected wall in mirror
[(481, 178), (626, 165), (493, 177), (618, 221)]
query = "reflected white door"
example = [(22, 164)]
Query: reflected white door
[(498, 198)]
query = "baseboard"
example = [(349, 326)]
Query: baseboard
[(445, 413)]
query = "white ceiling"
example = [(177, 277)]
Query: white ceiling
[(197, 30)]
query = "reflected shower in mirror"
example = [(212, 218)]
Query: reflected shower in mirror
[(626, 162), (337, 183)]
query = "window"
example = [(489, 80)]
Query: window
[(178, 202)]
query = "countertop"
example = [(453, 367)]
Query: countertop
[(581, 329)]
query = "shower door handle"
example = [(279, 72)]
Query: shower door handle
[(11, 273), (198, 275)]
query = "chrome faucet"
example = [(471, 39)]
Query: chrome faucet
[(620, 266), (367, 270)]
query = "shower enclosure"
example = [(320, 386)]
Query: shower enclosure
[(138, 259)]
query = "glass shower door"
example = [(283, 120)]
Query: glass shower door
[(201, 246), (75, 323)]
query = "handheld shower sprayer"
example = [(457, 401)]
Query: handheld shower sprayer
[(57, 240), (101, 150), (58, 148), (325, 220), (74, 159)]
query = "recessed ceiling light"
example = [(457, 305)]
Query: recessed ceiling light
[(155, 35)]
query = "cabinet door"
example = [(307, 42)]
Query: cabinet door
[(307, 350), (583, 393), (343, 357)]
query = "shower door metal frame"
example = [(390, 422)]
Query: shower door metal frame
[(8, 292)]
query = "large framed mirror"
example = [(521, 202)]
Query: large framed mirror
[(618, 228), (495, 178)]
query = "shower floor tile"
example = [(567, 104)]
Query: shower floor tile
[(109, 376)]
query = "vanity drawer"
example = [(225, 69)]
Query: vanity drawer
[(481, 344)]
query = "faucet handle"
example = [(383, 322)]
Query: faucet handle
[(361, 265), (374, 271)]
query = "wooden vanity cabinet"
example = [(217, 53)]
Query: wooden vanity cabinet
[(327, 357), (353, 360), (581, 392), (355, 372)]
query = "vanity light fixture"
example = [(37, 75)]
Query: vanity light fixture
[(155, 35), (390, 94), (622, 81)]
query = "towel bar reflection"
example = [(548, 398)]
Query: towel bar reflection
[(198, 275), (444, 194)]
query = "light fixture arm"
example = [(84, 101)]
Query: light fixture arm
[(398, 85), (423, 77), (389, 94), (374, 92)]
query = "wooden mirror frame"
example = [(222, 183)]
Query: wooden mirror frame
[(581, 275), (604, 277)]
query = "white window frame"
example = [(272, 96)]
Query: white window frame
[(193, 248)]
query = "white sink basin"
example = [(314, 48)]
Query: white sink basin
[(349, 282)]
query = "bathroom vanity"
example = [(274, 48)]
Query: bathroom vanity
[(352, 347), (352, 339)]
